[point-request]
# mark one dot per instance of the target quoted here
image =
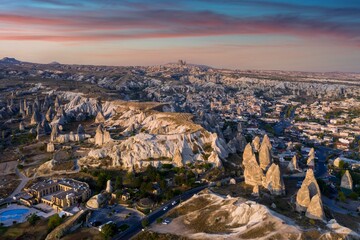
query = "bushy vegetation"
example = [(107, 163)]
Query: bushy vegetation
[(54, 221)]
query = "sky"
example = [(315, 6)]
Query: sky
[(307, 35)]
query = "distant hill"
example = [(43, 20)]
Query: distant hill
[(8, 60)]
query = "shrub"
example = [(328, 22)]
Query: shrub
[(33, 218), (109, 230), (341, 196), (353, 196), (145, 222), (54, 221)]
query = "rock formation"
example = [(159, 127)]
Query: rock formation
[(102, 136), (21, 126), (305, 197), (248, 154), (346, 181), (54, 133), (253, 174), (265, 158), (96, 201), (302, 198), (256, 143), (49, 114), (273, 180), (315, 208), (50, 147), (100, 117), (293, 165), (311, 158), (36, 118), (177, 159), (109, 188)]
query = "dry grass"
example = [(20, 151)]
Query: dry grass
[(193, 205), (25, 231), (260, 231), (84, 234), (149, 235)]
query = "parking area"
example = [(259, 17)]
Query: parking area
[(118, 214)]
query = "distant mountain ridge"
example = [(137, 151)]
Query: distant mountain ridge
[(8, 60)]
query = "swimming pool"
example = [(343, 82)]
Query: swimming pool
[(14, 215)]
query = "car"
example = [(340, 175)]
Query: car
[(166, 222), (173, 203), (165, 208)]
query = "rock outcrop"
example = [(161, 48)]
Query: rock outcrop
[(100, 118), (21, 126), (35, 118), (253, 174), (109, 188), (50, 147), (346, 181), (305, 197), (273, 180), (315, 208), (311, 158), (248, 154), (177, 159), (102, 136), (265, 158), (256, 143), (293, 165)]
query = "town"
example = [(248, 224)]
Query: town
[(77, 161)]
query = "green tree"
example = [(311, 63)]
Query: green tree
[(341, 164), (353, 196), (32, 219), (109, 230), (118, 182), (341, 196), (102, 179), (145, 222), (54, 221)]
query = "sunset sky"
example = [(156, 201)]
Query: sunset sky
[(307, 35)]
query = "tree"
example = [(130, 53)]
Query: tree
[(118, 182), (341, 196), (145, 222), (109, 230), (54, 221), (32, 219), (341, 164)]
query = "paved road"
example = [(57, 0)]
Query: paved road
[(136, 228)]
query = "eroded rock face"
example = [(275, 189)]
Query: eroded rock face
[(109, 188), (308, 197), (265, 158), (21, 126), (256, 143), (100, 118), (293, 165), (177, 159), (311, 183), (35, 118), (273, 180), (96, 201), (311, 159), (346, 181), (102, 136), (50, 147), (253, 174), (302, 199), (248, 154), (315, 208)]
